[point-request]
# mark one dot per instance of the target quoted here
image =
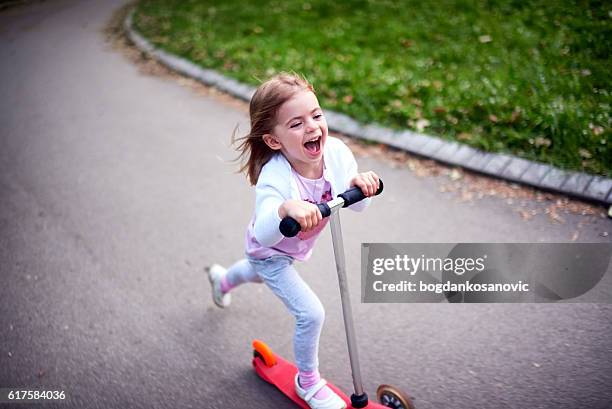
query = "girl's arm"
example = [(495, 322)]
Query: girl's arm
[(271, 209), (268, 201)]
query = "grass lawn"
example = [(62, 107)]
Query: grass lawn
[(529, 78)]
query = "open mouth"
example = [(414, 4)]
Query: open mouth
[(313, 146)]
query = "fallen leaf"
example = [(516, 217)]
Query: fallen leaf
[(554, 217), (465, 196), (416, 102), (541, 141), (439, 110), (455, 174), (421, 124), (453, 120), (597, 130), (406, 42)]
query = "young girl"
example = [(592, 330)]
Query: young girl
[(293, 164)]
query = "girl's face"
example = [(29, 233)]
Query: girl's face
[(300, 134)]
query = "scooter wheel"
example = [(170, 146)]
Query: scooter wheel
[(392, 397), (262, 351)]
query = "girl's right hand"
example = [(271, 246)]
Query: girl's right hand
[(306, 214)]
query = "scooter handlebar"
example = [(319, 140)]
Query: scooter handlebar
[(289, 227)]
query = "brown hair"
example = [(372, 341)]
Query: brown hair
[(265, 103)]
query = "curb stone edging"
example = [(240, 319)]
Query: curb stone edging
[(581, 185)]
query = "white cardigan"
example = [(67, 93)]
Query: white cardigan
[(276, 184)]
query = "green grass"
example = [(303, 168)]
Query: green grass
[(529, 78)]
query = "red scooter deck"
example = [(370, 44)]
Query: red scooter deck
[(282, 375)]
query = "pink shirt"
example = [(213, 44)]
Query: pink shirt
[(300, 246)]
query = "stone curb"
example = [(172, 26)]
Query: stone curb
[(502, 166)]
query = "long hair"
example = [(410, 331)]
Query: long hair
[(265, 103)]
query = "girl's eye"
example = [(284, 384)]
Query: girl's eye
[(295, 125), (318, 116)]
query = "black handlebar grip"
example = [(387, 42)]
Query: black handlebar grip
[(354, 194), (324, 209), (289, 227)]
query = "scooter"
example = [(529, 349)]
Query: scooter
[(281, 373)]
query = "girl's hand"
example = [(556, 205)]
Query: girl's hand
[(306, 214), (367, 182)]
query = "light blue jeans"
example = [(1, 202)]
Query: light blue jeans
[(284, 281)]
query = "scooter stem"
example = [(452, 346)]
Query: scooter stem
[(359, 399)]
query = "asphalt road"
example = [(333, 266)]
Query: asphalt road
[(115, 191)]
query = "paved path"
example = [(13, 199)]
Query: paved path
[(115, 192)]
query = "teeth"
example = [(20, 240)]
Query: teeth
[(313, 139)]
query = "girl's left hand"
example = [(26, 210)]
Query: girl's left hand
[(367, 182)]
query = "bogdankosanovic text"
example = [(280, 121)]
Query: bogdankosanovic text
[(439, 288)]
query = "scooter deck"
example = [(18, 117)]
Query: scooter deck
[(282, 375)]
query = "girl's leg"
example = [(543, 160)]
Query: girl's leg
[(239, 273), (280, 276), (222, 280)]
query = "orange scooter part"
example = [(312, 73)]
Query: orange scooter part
[(282, 375), (265, 352)]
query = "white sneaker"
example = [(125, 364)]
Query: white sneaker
[(215, 275), (333, 401)]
